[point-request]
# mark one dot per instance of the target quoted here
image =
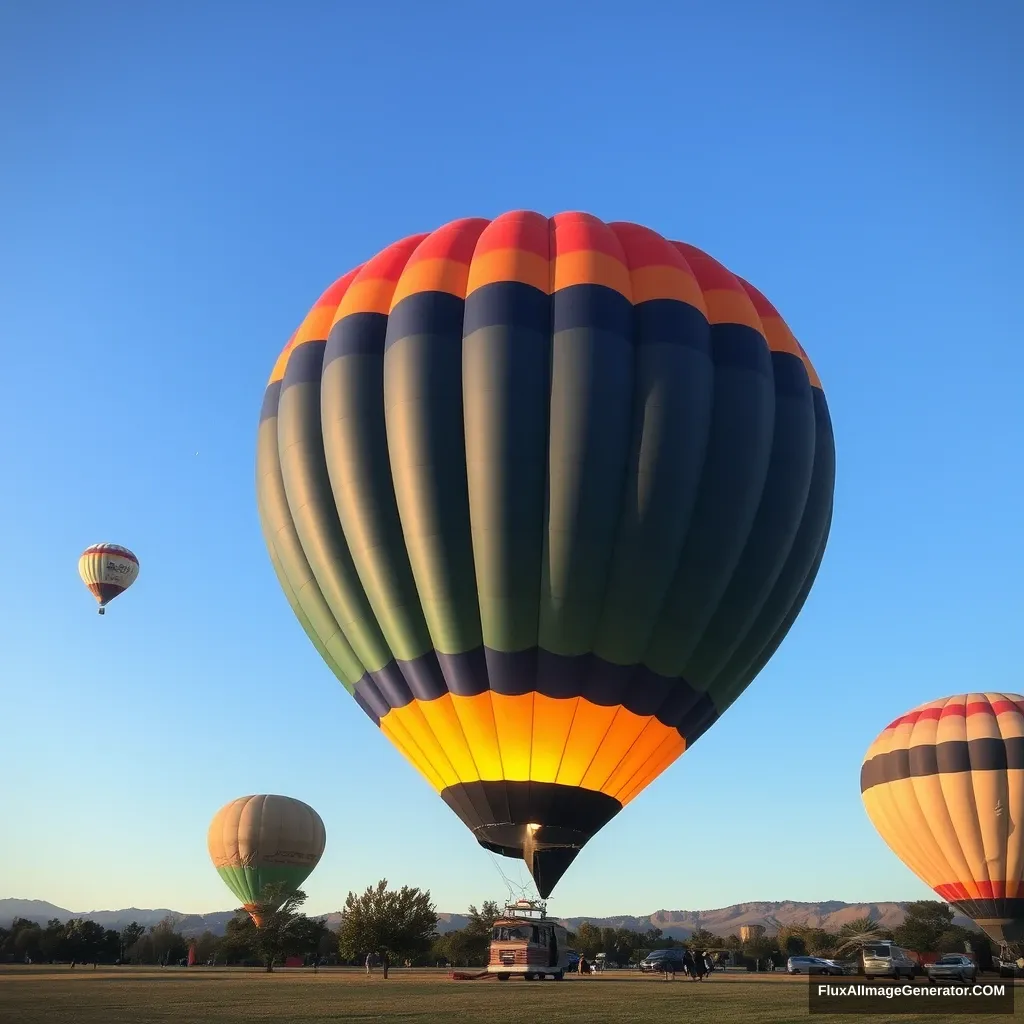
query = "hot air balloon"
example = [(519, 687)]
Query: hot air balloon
[(944, 786), (107, 570), (546, 495), (262, 840)]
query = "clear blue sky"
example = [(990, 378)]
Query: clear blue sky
[(177, 185)]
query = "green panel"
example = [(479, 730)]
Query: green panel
[(311, 502), (671, 413), (280, 532), (282, 579), (591, 410), (247, 882), (506, 407), (423, 409), (732, 481), (355, 446)]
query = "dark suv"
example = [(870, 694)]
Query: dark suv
[(663, 959)]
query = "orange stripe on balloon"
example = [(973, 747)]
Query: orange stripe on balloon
[(776, 331), (373, 287), (586, 251)]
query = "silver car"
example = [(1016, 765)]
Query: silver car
[(952, 967), (812, 965)]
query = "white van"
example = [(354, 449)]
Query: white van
[(886, 960)]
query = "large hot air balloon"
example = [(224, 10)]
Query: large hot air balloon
[(107, 570), (944, 786), (256, 841), (546, 495)]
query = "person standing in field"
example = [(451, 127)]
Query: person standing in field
[(384, 962), (369, 963)]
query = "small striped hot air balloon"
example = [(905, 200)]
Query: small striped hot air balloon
[(261, 840), (107, 570), (944, 786)]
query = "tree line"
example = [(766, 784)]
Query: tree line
[(401, 924)]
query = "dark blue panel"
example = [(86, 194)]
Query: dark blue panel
[(594, 307), (509, 304), (305, 363), (393, 688), (424, 677), (271, 400), (370, 699), (435, 313), (670, 322), (358, 334), (740, 346)]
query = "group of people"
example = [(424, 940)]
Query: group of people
[(697, 964)]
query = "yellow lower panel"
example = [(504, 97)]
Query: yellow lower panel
[(534, 738), (669, 750)]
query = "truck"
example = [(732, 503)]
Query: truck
[(525, 942)]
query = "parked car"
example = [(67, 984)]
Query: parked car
[(661, 959), (812, 965), (1009, 968), (887, 960), (952, 967)]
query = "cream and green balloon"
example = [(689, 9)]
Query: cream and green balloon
[(262, 840)]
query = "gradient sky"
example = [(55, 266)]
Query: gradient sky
[(177, 185)]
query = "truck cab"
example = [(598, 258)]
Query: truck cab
[(527, 943)]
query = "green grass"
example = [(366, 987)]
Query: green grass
[(49, 995)]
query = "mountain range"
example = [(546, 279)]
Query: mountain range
[(677, 924)]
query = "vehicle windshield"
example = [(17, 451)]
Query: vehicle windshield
[(948, 960), (505, 933), (877, 949)]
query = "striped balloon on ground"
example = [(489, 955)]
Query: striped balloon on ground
[(107, 570), (546, 494), (944, 786), (262, 840)]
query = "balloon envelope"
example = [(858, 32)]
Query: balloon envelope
[(265, 839), (944, 786), (546, 495), (107, 570)]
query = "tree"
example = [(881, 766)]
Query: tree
[(589, 940), (130, 934), (401, 923), (468, 947), (484, 918), (820, 942), (703, 939), (854, 935), (308, 936), (282, 929), (761, 948), (206, 947), (168, 944), (620, 944), (239, 938), (924, 925)]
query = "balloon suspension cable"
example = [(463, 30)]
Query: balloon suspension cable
[(515, 890)]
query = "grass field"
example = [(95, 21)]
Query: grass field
[(53, 995)]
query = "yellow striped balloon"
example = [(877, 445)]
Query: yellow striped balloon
[(944, 786), (107, 570)]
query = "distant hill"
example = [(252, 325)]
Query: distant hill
[(677, 924)]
